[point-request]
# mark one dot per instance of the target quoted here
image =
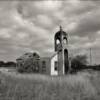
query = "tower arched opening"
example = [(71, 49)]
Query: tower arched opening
[(65, 40), (66, 61), (57, 41)]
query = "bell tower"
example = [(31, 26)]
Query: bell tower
[(61, 47)]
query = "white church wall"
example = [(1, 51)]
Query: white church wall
[(53, 71)]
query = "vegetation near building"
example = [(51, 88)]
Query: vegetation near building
[(79, 62), (28, 62)]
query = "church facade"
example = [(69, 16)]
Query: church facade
[(58, 63)]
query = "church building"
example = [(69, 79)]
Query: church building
[(58, 63)]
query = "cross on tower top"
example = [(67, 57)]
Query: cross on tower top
[(60, 28)]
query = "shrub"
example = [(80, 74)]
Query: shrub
[(28, 63)]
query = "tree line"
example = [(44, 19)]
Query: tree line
[(30, 63), (7, 64)]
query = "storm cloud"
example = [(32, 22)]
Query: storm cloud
[(27, 26)]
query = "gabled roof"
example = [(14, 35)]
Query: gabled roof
[(25, 56), (50, 56), (31, 55), (28, 55), (54, 55)]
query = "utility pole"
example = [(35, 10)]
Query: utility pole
[(90, 56)]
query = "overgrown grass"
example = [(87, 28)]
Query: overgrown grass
[(82, 86)]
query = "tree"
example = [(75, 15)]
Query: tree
[(2, 63), (10, 64), (29, 62), (79, 62)]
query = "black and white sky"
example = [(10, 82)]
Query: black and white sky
[(27, 26)]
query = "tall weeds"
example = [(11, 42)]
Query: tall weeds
[(40, 87)]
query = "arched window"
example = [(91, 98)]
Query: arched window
[(65, 40), (57, 41), (66, 60)]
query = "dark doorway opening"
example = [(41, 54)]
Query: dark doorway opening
[(66, 61)]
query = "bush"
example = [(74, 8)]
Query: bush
[(79, 62), (28, 63)]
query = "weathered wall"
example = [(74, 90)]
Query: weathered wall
[(53, 71), (60, 63), (47, 69)]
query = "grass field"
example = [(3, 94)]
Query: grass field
[(81, 86)]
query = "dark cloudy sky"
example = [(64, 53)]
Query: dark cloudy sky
[(27, 26)]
